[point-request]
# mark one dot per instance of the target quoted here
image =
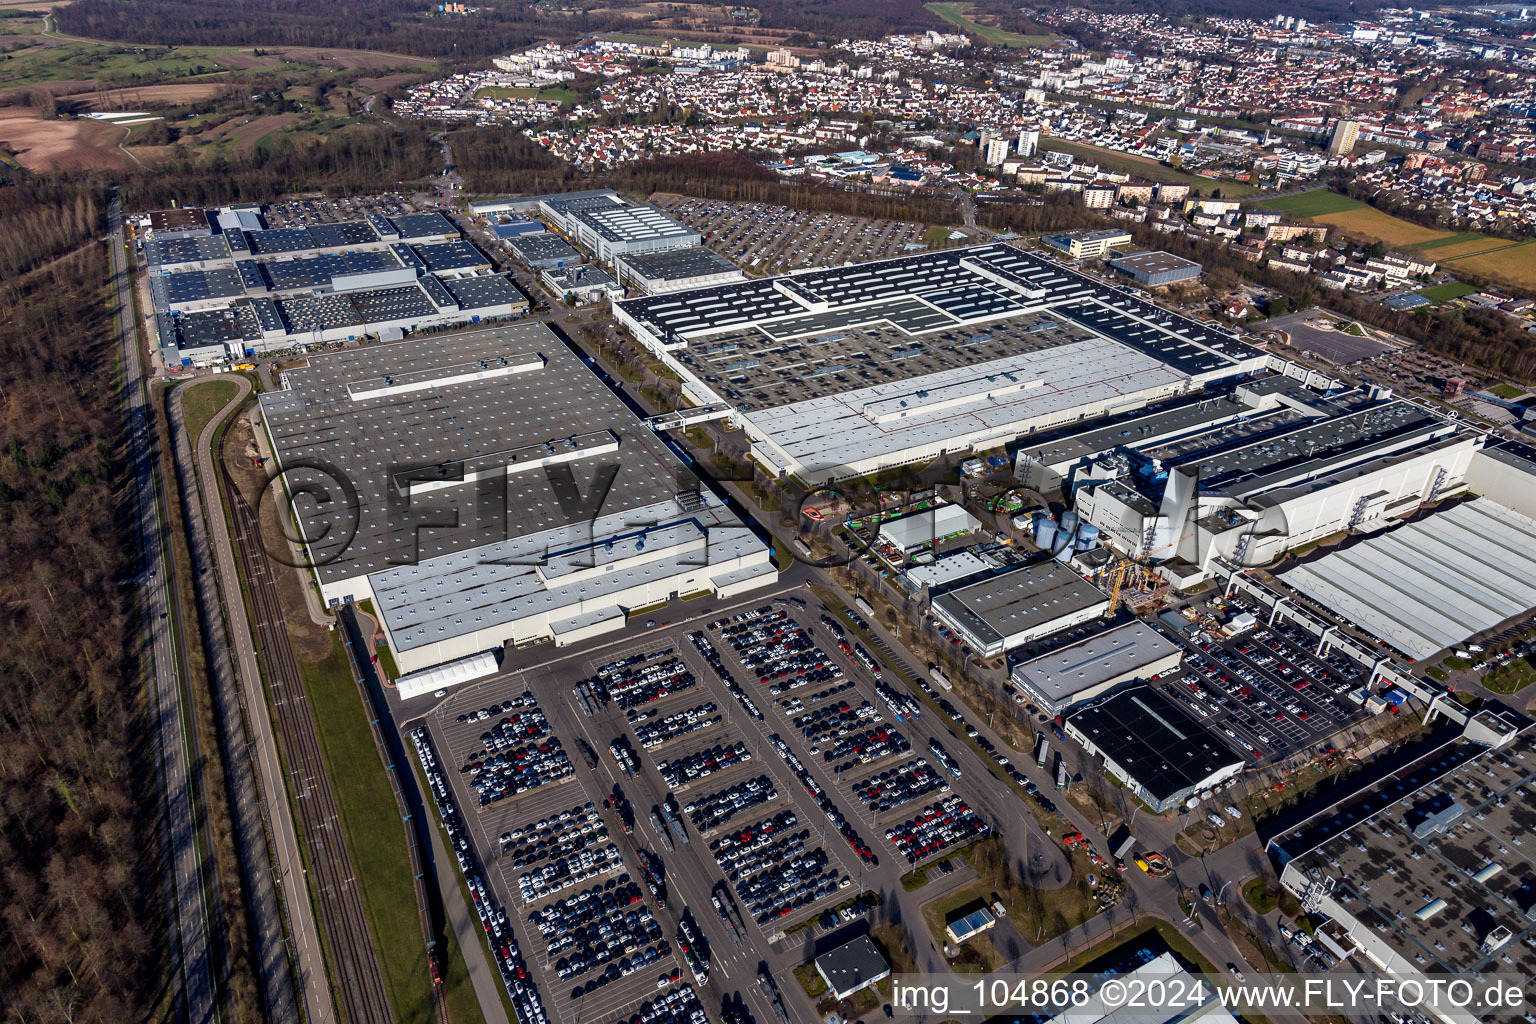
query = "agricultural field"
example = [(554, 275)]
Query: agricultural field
[(39, 144), (1312, 204), (1460, 245), (1514, 265), (957, 14), (201, 102), (1368, 224)]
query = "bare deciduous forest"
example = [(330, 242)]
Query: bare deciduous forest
[(78, 888)]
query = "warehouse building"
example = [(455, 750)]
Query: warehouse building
[(187, 222), (526, 205), (1433, 583), (541, 252), (675, 270), (581, 284), (999, 610), (1156, 269), (1154, 746), (928, 527), (1422, 873), (467, 467), (1092, 667), (247, 290), (1197, 1004), (610, 230), (843, 372), (853, 966)]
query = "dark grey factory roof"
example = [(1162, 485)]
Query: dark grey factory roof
[(481, 292), (170, 251), (998, 605), (278, 240), (1315, 444), (216, 326), (423, 225), (195, 285), (536, 248), (318, 270), (1154, 740), (354, 309), (677, 264), (455, 255), (369, 439), (333, 236), (1153, 262), (852, 965)]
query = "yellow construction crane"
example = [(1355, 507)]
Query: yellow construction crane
[(1119, 582)]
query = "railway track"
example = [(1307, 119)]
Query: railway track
[(354, 960)]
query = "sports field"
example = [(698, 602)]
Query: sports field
[(1311, 204), (1446, 292)]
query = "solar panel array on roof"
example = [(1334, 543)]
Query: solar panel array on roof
[(280, 240), (423, 225), (334, 236), (484, 292), (171, 251), (455, 255), (354, 309), (178, 289), (319, 269)]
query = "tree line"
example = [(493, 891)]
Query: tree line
[(405, 26), (1477, 337), (79, 893)]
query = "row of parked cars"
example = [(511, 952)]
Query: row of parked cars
[(493, 918), (606, 931), (712, 811), (703, 645), (824, 801), (900, 785), (780, 651), (948, 823), (568, 871), (679, 1006), (641, 678), (790, 885), (831, 721), (555, 838), (864, 747), (653, 731), (691, 768)]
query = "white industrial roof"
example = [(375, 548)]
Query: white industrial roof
[(841, 430), (948, 569), (1431, 583), (927, 526), (1102, 658), (450, 673)]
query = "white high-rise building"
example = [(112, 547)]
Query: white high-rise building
[(1029, 141)]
